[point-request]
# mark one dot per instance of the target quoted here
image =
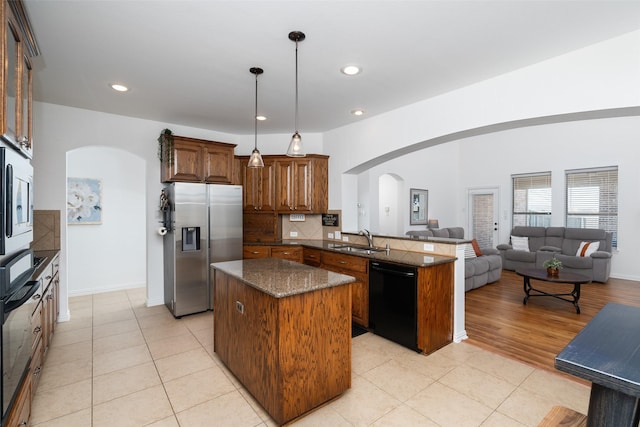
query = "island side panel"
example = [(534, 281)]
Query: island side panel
[(246, 342), (315, 348), (435, 307)]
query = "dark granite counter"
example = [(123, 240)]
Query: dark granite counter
[(415, 259), (281, 278)]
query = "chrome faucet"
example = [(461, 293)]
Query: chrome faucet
[(366, 233)]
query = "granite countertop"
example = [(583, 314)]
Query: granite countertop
[(281, 278), (414, 259)]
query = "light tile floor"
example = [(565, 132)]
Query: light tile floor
[(119, 363)]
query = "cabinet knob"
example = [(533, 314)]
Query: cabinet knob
[(36, 296), (47, 278), (37, 330), (342, 262)]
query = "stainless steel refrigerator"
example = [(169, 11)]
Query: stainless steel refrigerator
[(205, 227)]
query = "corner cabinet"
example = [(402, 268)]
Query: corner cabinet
[(286, 184), (199, 160), (16, 80)]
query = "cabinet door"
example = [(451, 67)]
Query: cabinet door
[(186, 162), (259, 187), (218, 164), (357, 267), (302, 185), (10, 77)]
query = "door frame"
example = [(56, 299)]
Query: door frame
[(495, 191)]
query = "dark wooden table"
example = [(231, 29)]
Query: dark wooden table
[(607, 353), (562, 277)]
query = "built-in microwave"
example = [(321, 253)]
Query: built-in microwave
[(16, 201)]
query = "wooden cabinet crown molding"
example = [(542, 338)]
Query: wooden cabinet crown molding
[(17, 7)]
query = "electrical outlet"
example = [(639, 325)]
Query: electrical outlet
[(329, 235), (293, 234), (337, 234), (429, 247), (296, 217), (345, 238)]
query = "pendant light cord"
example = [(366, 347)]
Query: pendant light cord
[(296, 124), (255, 119)]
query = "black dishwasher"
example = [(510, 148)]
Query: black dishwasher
[(392, 302)]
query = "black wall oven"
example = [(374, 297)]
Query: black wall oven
[(20, 296)]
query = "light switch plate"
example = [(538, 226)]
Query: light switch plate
[(296, 217), (329, 235), (429, 247), (293, 234), (337, 234), (345, 238)]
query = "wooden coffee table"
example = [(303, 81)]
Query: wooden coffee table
[(562, 277)]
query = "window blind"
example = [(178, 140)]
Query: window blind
[(532, 199), (592, 199)]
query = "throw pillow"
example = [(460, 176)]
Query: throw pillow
[(587, 248), (476, 248), (520, 243), (468, 251)]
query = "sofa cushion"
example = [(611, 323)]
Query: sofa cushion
[(536, 235), (520, 243), (554, 237), (456, 232), (520, 256), (575, 262), (587, 248), (440, 232)]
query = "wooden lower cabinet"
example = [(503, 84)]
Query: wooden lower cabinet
[(435, 307), (292, 353), (21, 412), (358, 267)]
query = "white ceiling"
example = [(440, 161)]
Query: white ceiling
[(187, 62)]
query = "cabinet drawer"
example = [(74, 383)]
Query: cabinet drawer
[(250, 252), (345, 262), (292, 253), (312, 257)]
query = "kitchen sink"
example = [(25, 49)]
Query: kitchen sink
[(357, 249)]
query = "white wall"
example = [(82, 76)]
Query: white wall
[(120, 239)]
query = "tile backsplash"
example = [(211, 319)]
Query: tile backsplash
[(46, 230)]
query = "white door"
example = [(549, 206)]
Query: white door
[(483, 216)]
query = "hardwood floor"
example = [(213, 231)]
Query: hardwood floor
[(535, 333)]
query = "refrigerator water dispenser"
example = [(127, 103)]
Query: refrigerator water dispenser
[(190, 239)]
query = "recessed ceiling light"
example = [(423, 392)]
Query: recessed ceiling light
[(119, 87), (357, 112), (350, 70), (261, 118)]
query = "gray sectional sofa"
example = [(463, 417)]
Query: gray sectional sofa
[(478, 270), (546, 242)]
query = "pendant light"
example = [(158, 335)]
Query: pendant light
[(295, 146), (255, 161)]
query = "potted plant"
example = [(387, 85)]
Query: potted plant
[(553, 266)]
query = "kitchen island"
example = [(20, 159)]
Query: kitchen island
[(284, 330)]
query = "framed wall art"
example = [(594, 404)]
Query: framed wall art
[(84, 201), (418, 203)]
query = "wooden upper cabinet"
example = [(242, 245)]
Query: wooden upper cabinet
[(198, 160), (286, 184), (16, 80), (259, 186), (301, 184)]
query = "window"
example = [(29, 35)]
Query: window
[(592, 199), (532, 199)]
